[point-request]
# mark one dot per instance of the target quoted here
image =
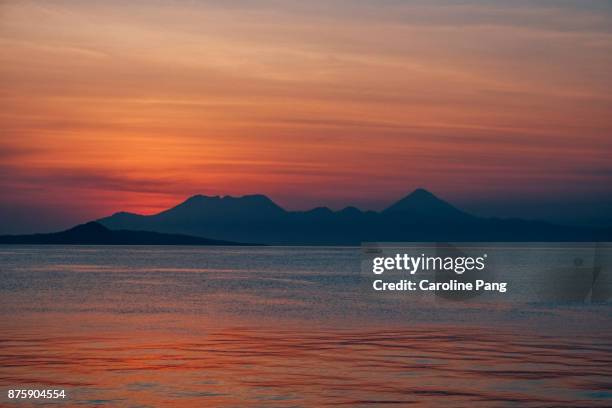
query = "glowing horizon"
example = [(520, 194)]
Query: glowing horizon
[(110, 107)]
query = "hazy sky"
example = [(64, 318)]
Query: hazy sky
[(502, 107)]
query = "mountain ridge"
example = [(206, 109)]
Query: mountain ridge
[(423, 203), (419, 216)]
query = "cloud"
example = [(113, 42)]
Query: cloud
[(140, 103)]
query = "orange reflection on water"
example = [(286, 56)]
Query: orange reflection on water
[(168, 360)]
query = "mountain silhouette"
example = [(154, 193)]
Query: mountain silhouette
[(94, 233), (420, 216), (242, 207), (422, 203)]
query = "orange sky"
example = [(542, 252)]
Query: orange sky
[(137, 105)]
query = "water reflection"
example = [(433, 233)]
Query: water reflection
[(279, 327), (129, 363)]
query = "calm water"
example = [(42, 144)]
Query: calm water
[(168, 326)]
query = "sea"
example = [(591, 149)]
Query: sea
[(172, 326)]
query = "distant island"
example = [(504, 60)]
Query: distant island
[(418, 217), (215, 220), (94, 233)]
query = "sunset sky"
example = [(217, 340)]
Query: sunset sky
[(501, 107)]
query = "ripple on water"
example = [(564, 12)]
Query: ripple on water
[(433, 365)]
